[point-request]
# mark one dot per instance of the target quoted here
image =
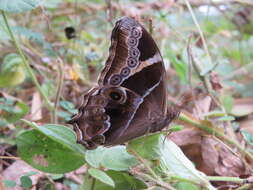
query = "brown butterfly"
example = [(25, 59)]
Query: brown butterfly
[(130, 98)]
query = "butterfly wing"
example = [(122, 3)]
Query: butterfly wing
[(147, 79), (135, 71)]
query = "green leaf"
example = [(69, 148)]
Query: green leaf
[(50, 148), (174, 128), (102, 176), (122, 181), (95, 157), (49, 88), (16, 6), (67, 105), (30, 173), (26, 182), (13, 110), (179, 66), (171, 158), (123, 162), (227, 101), (226, 118), (151, 144), (185, 185), (9, 183), (247, 136), (12, 71)]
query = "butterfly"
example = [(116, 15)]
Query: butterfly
[(130, 98)]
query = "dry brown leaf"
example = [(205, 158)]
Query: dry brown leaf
[(186, 137), (36, 112), (242, 107), (202, 106), (247, 125), (18, 169), (209, 154)]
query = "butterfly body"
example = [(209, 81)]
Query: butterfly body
[(130, 98)]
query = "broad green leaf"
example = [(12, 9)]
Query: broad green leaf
[(16, 6), (95, 157), (26, 182), (151, 144), (122, 181), (102, 176), (186, 186), (50, 148), (9, 183), (117, 158), (171, 159)]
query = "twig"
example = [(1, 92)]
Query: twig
[(10, 157), (199, 30), (26, 64), (227, 179), (59, 89)]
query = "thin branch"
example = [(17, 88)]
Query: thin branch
[(10, 157), (59, 89), (199, 30)]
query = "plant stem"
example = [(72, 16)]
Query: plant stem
[(199, 30), (26, 64), (93, 183), (211, 130), (159, 183), (59, 88), (144, 162), (227, 179)]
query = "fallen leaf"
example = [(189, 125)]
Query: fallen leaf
[(242, 107), (36, 108)]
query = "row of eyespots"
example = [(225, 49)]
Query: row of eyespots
[(134, 53), (133, 56)]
